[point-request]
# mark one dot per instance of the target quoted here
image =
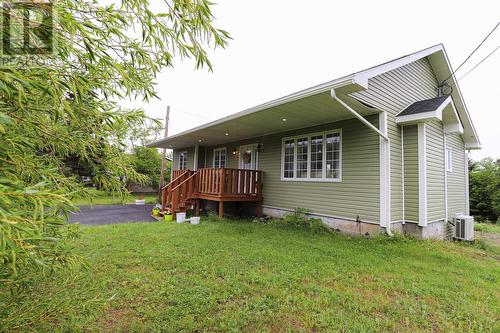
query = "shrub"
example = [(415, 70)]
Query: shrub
[(298, 218)]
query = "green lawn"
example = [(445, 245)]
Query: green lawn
[(487, 227), (243, 276), (103, 198)]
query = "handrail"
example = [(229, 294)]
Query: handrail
[(173, 180), (185, 180)]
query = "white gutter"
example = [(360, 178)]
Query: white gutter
[(357, 115), (384, 186)]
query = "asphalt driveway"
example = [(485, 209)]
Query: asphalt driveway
[(111, 214)]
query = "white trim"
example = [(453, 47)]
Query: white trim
[(357, 115), (220, 150), (308, 136), (422, 175), (445, 178), (385, 174), (466, 165), (417, 117), (403, 174)]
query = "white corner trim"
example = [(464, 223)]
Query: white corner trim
[(422, 175), (385, 186), (403, 175), (445, 166), (466, 165)]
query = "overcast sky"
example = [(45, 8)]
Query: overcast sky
[(280, 47)]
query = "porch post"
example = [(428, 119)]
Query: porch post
[(195, 158)]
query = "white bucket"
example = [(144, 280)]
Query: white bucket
[(195, 220), (180, 217)]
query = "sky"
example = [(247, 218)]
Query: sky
[(280, 47)]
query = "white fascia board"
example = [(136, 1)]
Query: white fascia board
[(388, 66), (418, 117), (456, 88)]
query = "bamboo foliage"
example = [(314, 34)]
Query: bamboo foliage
[(64, 104)]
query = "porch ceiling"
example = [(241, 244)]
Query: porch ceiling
[(305, 112)]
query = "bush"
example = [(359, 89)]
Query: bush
[(298, 219)]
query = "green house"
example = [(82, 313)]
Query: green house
[(383, 149)]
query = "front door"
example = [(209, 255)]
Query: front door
[(248, 157), (248, 161)]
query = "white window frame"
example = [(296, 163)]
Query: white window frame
[(185, 160), (308, 136), (449, 159), (220, 150)]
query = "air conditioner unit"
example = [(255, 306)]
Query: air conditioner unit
[(464, 227)]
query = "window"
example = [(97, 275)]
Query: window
[(449, 159), (220, 158), (183, 160), (302, 148), (315, 157), (288, 158)]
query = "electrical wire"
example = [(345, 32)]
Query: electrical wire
[(479, 63), (474, 51)]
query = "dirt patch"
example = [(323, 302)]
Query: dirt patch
[(489, 237), (119, 320)]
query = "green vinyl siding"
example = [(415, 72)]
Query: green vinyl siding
[(435, 171), (410, 151), (456, 178), (190, 158), (356, 195), (393, 91)]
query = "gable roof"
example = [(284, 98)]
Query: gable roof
[(424, 106), (213, 132)]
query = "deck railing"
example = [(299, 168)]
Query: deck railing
[(212, 183), (230, 182)]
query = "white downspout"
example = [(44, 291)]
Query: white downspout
[(383, 136)]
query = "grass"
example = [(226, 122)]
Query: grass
[(493, 228), (103, 198), (243, 276)]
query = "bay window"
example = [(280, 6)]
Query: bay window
[(314, 157)]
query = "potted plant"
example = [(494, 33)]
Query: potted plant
[(168, 216), (155, 211)]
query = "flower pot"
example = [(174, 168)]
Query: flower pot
[(168, 217)]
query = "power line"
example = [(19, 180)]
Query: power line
[(479, 63), (470, 55)]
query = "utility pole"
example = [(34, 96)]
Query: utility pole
[(164, 159)]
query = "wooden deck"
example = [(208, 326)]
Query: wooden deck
[(214, 184)]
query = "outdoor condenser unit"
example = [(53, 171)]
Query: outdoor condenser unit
[(464, 227)]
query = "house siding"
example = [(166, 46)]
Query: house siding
[(456, 178), (190, 158), (356, 195), (393, 92), (435, 171), (410, 152)]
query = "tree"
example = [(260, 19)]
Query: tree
[(53, 106), (484, 189), (147, 161)]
